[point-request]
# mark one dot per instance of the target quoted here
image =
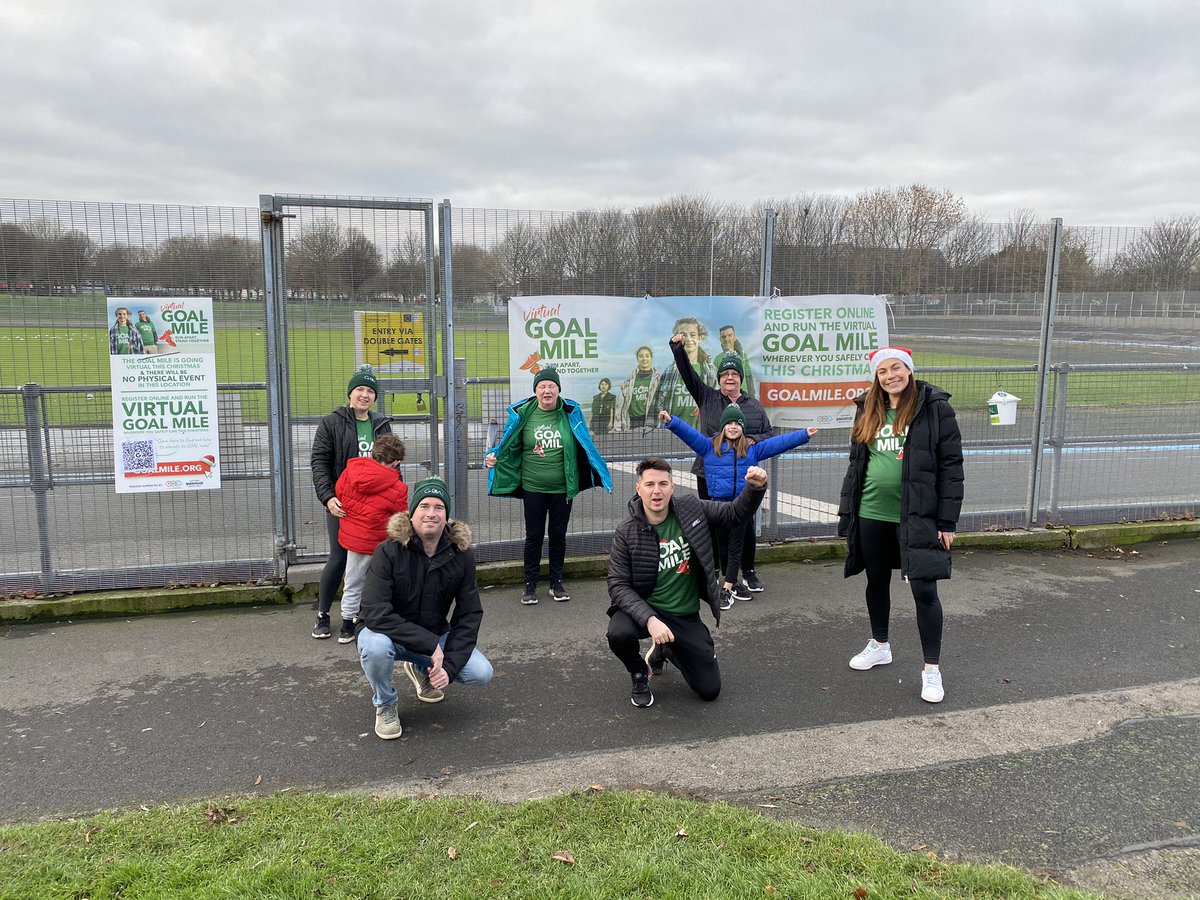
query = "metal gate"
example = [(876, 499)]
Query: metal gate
[(337, 271)]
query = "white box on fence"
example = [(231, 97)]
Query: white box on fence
[(1002, 408)]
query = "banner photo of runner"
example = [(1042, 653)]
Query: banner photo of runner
[(162, 359), (804, 358)]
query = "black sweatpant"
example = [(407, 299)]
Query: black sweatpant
[(335, 566), (880, 544), (538, 508), (692, 651)]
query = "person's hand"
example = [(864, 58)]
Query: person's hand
[(812, 431), (664, 417), (489, 460), (756, 477), (335, 508), (677, 339), (659, 632), (437, 675), (946, 538)]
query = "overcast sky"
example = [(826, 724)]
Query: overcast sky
[(1085, 110)]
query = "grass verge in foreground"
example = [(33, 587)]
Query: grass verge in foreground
[(597, 844)]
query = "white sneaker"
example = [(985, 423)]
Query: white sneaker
[(871, 656), (387, 723), (931, 686)]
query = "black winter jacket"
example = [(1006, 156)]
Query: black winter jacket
[(633, 565), (335, 442), (407, 595), (712, 403), (931, 490)]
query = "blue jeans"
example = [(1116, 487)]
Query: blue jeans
[(378, 654)]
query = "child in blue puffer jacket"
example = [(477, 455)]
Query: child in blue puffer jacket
[(727, 455)]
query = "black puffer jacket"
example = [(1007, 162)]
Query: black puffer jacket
[(633, 565), (931, 491), (711, 403), (407, 595), (335, 442)]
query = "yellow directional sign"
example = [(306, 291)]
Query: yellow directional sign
[(390, 341)]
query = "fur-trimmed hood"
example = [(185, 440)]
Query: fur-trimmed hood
[(400, 530)]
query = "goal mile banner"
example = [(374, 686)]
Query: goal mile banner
[(805, 358)]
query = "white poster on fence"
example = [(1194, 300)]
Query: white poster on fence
[(804, 358), (162, 357)]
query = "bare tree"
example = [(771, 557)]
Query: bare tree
[(519, 258), (1164, 256)]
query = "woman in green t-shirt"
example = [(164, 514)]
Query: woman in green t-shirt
[(900, 504)]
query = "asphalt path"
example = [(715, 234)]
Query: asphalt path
[(1067, 741)]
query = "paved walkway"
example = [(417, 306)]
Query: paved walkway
[(1069, 740)]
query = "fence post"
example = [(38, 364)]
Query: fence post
[(1049, 301), (1058, 434), (457, 414), (449, 363), (39, 478), (279, 429), (768, 245)]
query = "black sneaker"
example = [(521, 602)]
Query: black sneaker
[(655, 659), (726, 600), (740, 592), (752, 583), (558, 593), (641, 695), (529, 598), (346, 635), (322, 630)]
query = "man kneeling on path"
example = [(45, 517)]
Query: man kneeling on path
[(661, 567), (414, 577)]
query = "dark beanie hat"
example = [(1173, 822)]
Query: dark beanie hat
[(732, 413), (430, 487), (364, 377), (547, 374), (729, 361)]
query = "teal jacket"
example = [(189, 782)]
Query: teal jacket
[(586, 469)]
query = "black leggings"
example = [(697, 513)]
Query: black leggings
[(749, 541), (880, 546), (335, 566)]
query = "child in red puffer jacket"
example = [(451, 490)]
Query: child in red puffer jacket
[(371, 490)]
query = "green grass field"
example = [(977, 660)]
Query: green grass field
[(594, 845), (63, 341)]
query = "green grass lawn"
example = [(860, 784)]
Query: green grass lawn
[(598, 844), (322, 356)]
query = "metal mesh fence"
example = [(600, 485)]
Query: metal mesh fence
[(1120, 431), (63, 526)]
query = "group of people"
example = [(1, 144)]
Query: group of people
[(414, 598), (128, 337)]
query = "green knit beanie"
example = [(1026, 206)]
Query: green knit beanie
[(430, 487), (547, 374), (364, 377), (727, 361), (732, 413)]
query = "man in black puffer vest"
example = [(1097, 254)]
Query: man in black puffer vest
[(661, 568)]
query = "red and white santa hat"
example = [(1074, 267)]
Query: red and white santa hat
[(883, 354)]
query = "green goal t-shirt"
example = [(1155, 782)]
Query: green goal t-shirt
[(544, 441), (366, 436), (124, 341), (881, 490), (675, 591), (146, 332), (641, 395)]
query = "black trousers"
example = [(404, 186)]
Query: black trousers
[(538, 509), (880, 542), (692, 651), (747, 543), (335, 566)]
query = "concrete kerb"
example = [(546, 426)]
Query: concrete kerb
[(301, 587)]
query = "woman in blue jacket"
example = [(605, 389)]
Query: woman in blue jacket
[(545, 456), (727, 455)]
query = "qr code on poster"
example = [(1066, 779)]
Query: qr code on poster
[(138, 456)]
